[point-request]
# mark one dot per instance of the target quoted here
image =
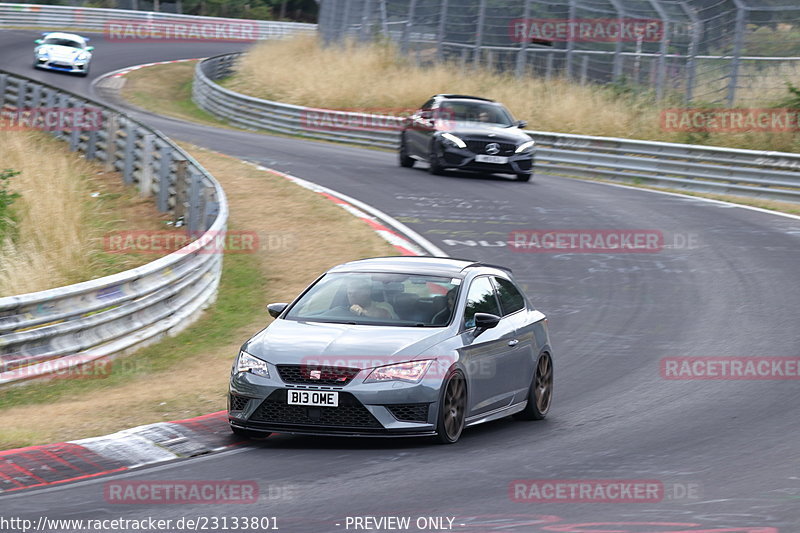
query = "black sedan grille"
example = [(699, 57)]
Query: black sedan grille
[(317, 375), (349, 414), (409, 412), (479, 147)]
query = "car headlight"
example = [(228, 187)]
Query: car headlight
[(525, 147), (248, 363), (42, 53), (454, 140), (411, 372)]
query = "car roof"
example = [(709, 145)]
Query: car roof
[(62, 35), (461, 97), (423, 264)]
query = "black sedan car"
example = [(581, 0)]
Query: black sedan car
[(469, 133), (395, 347)]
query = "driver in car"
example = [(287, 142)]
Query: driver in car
[(359, 294)]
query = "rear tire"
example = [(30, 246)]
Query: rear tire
[(452, 409), (405, 160), (540, 393)]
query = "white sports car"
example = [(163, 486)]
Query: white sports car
[(66, 52)]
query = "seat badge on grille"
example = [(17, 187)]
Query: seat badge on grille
[(492, 148), (315, 374)]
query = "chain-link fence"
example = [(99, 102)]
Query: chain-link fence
[(703, 51)]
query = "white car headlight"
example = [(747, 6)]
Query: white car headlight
[(248, 363), (454, 140), (42, 53), (83, 56), (411, 372), (525, 147)]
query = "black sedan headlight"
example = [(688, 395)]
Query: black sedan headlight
[(525, 147)]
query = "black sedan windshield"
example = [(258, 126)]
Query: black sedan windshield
[(386, 299), (476, 112)]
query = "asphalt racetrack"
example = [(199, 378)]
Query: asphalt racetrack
[(726, 283)]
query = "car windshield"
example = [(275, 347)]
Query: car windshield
[(60, 41), (378, 298), (476, 112)]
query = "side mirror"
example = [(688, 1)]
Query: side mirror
[(484, 321), (427, 114), (39, 41), (522, 123), (276, 309), (89, 48)]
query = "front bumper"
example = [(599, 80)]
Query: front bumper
[(389, 409), (50, 64), (464, 159)]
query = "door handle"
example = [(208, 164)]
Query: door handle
[(513, 342)]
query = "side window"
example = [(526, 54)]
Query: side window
[(511, 299), (427, 105), (480, 299)]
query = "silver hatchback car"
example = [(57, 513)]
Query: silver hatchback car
[(395, 346)]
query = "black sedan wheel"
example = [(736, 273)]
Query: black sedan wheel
[(452, 409), (540, 393), (405, 160), (435, 167)]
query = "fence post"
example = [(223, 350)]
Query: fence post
[(476, 58), (522, 55), (584, 69), (570, 41), (741, 19), (616, 72), (111, 142), (365, 19), (75, 132), (412, 7), (441, 33), (691, 61)]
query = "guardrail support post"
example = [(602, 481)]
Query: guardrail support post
[(181, 186), (194, 201), (111, 141), (146, 178), (3, 82), (130, 147), (165, 165), (74, 132), (22, 88)]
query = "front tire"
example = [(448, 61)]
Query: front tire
[(452, 409), (405, 160), (435, 167), (540, 393)]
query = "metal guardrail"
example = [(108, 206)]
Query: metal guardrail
[(96, 19), (751, 173), (73, 325)]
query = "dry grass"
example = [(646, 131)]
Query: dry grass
[(57, 239), (318, 235), (299, 71)]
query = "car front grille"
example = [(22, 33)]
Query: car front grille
[(409, 412), (317, 375), (479, 147), (349, 414), (237, 403)]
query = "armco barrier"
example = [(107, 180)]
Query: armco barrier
[(111, 315), (95, 19), (752, 173)]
